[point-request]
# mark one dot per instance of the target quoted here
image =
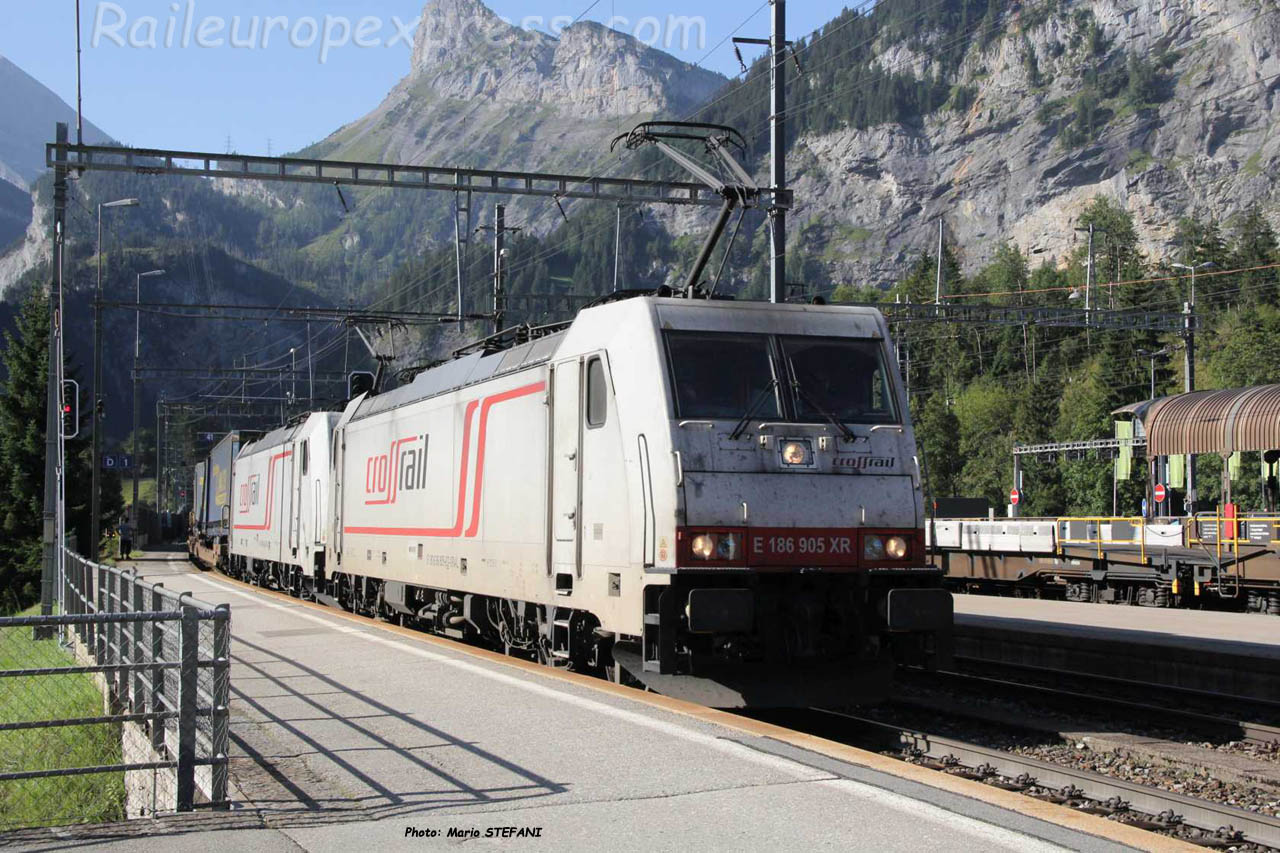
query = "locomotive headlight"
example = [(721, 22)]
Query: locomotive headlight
[(873, 548), (796, 453), (896, 548), (727, 546), (703, 546)]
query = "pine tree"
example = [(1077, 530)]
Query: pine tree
[(23, 399), (938, 433), (1256, 247), (22, 421)]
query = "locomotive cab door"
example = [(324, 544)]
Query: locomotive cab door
[(299, 475), (566, 474)]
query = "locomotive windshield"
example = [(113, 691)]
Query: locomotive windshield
[(722, 376), (843, 377)]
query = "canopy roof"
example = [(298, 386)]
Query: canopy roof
[(1223, 422)]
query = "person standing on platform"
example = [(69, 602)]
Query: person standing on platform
[(126, 537)]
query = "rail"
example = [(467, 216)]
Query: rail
[(987, 762), (128, 682)]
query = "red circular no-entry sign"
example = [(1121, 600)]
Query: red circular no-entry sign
[(1160, 493), (1015, 497)]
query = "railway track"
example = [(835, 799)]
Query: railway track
[(1195, 706), (1211, 824), (1234, 727)]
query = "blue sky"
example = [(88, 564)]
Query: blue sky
[(195, 98)]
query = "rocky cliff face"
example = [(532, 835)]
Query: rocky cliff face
[(484, 93), (464, 51), (1015, 165)]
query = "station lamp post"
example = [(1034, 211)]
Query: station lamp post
[(1153, 355), (137, 399), (95, 499)]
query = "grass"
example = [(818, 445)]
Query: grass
[(1253, 166), (59, 800), (1139, 160)]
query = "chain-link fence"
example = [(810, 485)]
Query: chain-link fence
[(116, 707)]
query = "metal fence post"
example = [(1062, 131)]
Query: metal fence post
[(189, 653), (115, 590), (158, 727), (99, 631), (125, 634), (221, 711), (137, 653)]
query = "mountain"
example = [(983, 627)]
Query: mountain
[(15, 213), (479, 93), (30, 110), (1005, 118)]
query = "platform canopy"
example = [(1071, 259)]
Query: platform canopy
[(1223, 422)]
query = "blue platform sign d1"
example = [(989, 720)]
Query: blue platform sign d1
[(117, 462)]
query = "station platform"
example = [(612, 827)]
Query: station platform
[(348, 734), (1226, 654), (1253, 634)]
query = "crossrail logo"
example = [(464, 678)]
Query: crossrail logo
[(271, 487), (249, 493), (403, 468), (383, 472), (866, 463)]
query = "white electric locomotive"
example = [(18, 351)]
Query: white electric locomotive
[(716, 499), (280, 500)]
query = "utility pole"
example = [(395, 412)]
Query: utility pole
[(778, 46), (79, 102), (137, 397), (499, 294), (53, 448), (95, 498), (462, 239), (500, 230), (778, 145), (937, 298), (617, 249), (159, 479), (1088, 276), (311, 373), (1189, 363)]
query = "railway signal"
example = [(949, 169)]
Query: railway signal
[(70, 408)]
